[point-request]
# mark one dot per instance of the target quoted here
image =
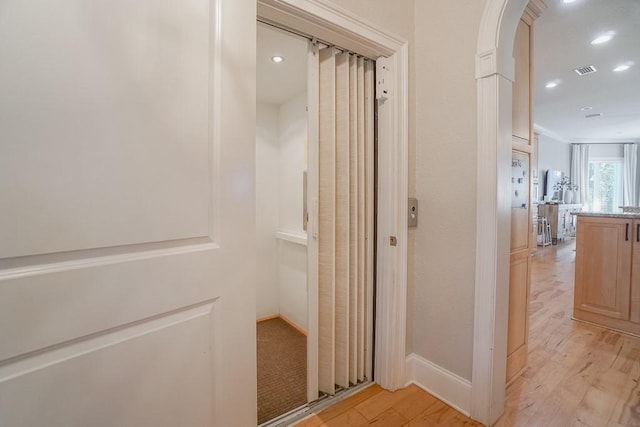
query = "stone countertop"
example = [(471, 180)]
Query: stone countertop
[(608, 215)]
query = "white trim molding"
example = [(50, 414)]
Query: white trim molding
[(441, 383), (494, 73), (334, 25)]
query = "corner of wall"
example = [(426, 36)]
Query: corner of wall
[(443, 384)]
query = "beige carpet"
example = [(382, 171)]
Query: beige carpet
[(282, 369)]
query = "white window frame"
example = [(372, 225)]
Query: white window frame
[(609, 159)]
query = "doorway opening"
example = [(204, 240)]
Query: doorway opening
[(315, 221), (560, 346), (281, 238)]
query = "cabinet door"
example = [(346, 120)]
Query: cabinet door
[(603, 267), (518, 329), (522, 83), (520, 267)]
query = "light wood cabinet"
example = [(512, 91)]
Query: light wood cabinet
[(607, 275), (522, 83), (521, 220), (524, 158)]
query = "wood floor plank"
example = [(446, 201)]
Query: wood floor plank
[(389, 418), (382, 401), (350, 418), (414, 403), (351, 402), (441, 414), (312, 421)]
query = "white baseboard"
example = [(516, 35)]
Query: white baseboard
[(446, 386)]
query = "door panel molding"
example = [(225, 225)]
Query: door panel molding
[(15, 268), (70, 304), (133, 111), (43, 358), (72, 390)]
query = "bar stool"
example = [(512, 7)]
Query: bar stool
[(544, 232)]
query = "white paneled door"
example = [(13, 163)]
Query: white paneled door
[(127, 213)]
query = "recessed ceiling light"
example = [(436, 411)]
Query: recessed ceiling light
[(587, 108), (603, 38), (551, 85), (622, 67), (568, 1), (277, 59)]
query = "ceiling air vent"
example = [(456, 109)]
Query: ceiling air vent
[(587, 69), (591, 116)]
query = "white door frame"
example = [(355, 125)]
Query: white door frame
[(334, 25), (495, 76)]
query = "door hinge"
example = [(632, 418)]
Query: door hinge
[(382, 78)]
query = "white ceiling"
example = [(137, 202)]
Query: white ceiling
[(277, 83), (562, 42)]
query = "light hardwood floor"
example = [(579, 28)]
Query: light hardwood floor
[(578, 374), (410, 406)]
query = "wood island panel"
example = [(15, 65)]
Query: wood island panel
[(607, 272)]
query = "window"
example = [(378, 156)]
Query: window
[(605, 185)]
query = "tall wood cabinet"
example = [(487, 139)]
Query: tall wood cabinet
[(607, 275), (522, 237)]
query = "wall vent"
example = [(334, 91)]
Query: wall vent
[(591, 116), (587, 69)]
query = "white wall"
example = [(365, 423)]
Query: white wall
[(292, 280), (292, 124), (606, 151), (267, 191), (552, 155), (442, 303), (292, 257), (280, 161)]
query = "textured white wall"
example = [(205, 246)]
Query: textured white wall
[(267, 192)]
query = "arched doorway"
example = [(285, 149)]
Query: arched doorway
[(495, 75)]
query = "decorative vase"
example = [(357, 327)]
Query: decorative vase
[(567, 196)]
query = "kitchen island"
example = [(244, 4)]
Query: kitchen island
[(607, 274)]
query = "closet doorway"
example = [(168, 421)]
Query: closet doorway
[(314, 221)]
